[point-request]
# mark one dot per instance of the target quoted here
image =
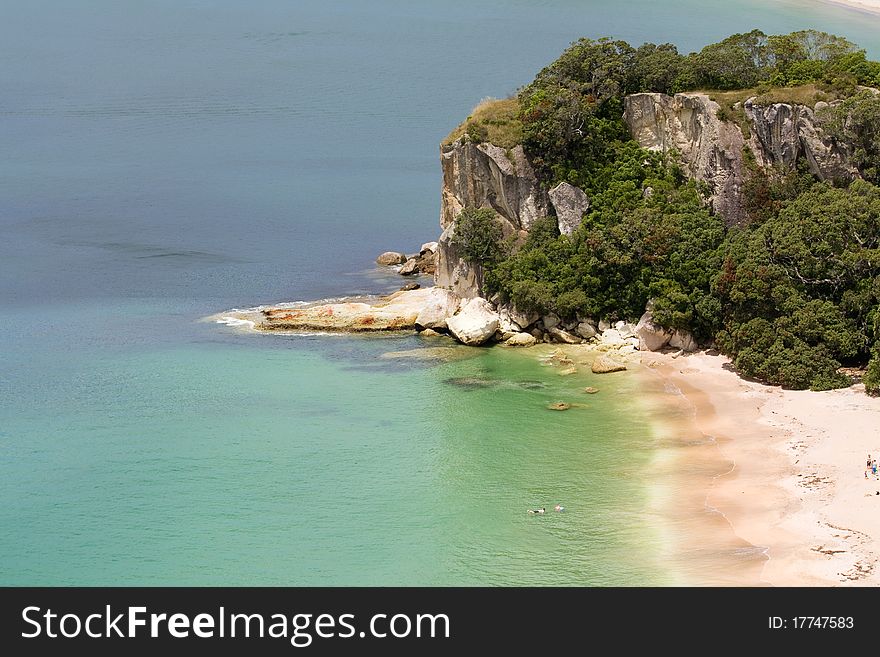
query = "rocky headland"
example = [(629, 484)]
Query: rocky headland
[(712, 150)]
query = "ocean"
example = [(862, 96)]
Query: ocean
[(165, 161)]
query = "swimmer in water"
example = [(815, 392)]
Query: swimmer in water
[(559, 507), (537, 511)]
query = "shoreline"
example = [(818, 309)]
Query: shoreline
[(864, 6), (795, 488)]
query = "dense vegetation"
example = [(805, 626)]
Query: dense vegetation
[(792, 295)]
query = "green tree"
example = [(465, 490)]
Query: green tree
[(478, 235)]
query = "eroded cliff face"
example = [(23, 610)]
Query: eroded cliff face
[(712, 150), (487, 176), (783, 134)]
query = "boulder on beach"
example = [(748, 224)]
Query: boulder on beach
[(560, 335), (521, 340), (586, 330), (410, 286), (605, 364), (440, 305), (475, 322), (429, 333), (391, 258), (683, 340), (652, 337)]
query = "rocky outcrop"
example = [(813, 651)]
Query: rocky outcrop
[(396, 312), (453, 271), (475, 322), (439, 306), (652, 337), (561, 335), (570, 204), (486, 176), (683, 340), (604, 364), (711, 150), (391, 258), (521, 340), (782, 134)]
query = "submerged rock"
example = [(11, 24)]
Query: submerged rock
[(470, 382), (558, 406), (410, 286), (590, 390)]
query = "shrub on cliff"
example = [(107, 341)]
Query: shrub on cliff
[(856, 121), (648, 234), (478, 234)]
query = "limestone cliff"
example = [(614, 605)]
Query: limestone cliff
[(713, 150)]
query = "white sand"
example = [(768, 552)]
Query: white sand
[(797, 484), (872, 6)]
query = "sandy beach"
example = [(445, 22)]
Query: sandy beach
[(871, 6), (796, 486)]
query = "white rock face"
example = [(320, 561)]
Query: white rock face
[(626, 330), (483, 176), (683, 340), (782, 134), (612, 338), (440, 305), (571, 204), (651, 336), (521, 340), (475, 322), (711, 150), (455, 273)]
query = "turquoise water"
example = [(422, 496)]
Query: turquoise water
[(162, 162)]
